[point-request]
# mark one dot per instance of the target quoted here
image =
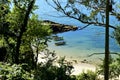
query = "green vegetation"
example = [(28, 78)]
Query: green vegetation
[(14, 72), (22, 37), (89, 75), (114, 68), (117, 34)]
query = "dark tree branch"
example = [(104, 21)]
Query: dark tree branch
[(9, 34), (22, 30), (87, 22), (81, 28), (62, 10), (16, 4)]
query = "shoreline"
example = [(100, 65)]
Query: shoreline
[(78, 64), (81, 66)]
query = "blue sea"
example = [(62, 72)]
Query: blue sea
[(80, 43)]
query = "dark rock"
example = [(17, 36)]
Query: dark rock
[(84, 61), (58, 28)]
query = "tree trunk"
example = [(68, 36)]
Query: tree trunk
[(22, 30), (106, 65), (36, 58)]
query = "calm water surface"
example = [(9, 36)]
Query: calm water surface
[(78, 43)]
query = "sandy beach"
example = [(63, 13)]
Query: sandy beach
[(79, 66)]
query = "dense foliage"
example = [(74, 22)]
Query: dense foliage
[(14, 72), (43, 71), (19, 32)]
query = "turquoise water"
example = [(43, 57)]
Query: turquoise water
[(79, 43), (83, 43)]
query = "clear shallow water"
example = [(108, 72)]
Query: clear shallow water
[(83, 43), (78, 43)]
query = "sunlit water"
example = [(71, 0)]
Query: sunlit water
[(79, 43)]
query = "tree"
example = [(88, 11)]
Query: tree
[(23, 29), (107, 52), (4, 26), (37, 37), (20, 30), (14, 24)]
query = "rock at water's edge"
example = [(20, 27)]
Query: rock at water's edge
[(58, 28)]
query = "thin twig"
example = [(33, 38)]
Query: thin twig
[(103, 53)]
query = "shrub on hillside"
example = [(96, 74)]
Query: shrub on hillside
[(14, 72), (89, 75)]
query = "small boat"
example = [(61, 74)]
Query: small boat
[(54, 36), (58, 38), (60, 43)]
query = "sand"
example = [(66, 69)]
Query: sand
[(79, 66)]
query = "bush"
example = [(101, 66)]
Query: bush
[(49, 71), (114, 68), (14, 72), (89, 75)]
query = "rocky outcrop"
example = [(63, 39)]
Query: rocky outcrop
[(58, 28)]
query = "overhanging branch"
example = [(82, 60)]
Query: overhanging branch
[(62, 10)]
